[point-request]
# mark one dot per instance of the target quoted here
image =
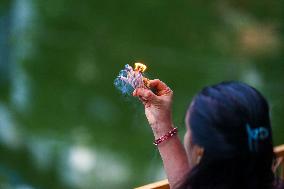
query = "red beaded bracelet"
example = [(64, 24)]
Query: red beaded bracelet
[(166, 136)]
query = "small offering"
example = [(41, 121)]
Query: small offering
[(130, 78)]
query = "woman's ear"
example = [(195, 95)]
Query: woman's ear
[(199, 153)]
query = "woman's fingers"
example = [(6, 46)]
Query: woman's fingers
[(144, 94), (148, 97), (134, 93), (160, 87), (157, 84)]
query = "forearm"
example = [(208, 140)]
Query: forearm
[(172, 153)]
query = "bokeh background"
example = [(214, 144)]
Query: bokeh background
[(62, 122)]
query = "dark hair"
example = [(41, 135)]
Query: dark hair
[(221, 118)]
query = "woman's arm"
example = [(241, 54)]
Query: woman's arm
[(158, 112), (173, 155)]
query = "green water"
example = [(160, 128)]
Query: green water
[(62, 122)]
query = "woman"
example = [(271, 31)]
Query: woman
[(228, 143)]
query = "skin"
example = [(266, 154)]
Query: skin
[(177, 159)]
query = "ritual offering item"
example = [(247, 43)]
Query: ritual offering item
[(130, 78)]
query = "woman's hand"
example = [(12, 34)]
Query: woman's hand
[(157, 105)]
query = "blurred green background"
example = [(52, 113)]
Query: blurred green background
[(62, 122)]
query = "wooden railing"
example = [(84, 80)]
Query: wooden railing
[(278, 150)]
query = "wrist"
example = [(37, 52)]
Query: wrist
[(166, 136), (161, 128)]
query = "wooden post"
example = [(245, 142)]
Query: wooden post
[(164, 184), (279, 152)]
